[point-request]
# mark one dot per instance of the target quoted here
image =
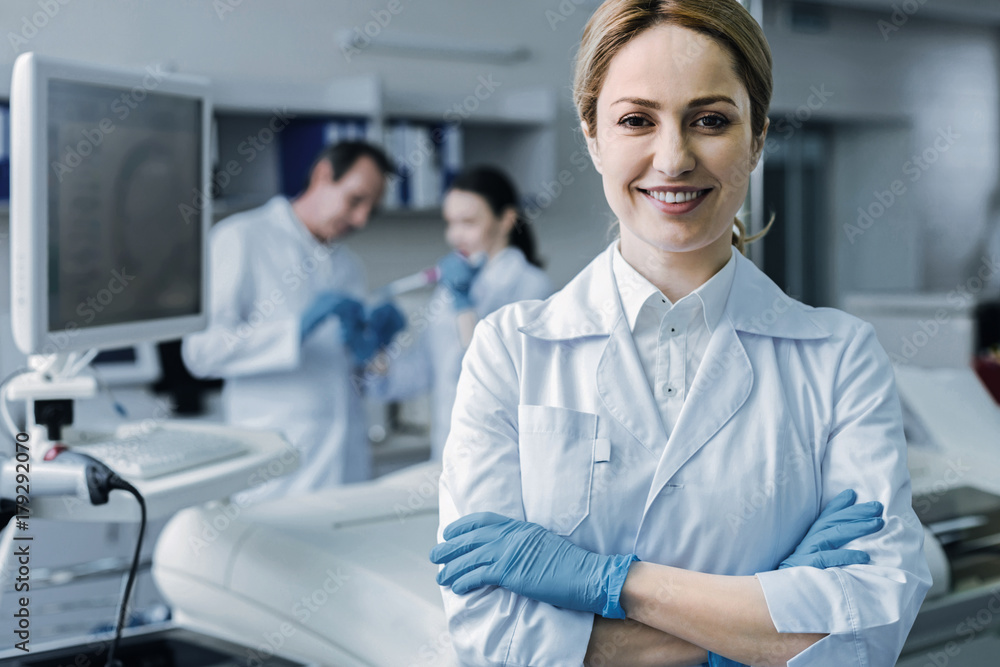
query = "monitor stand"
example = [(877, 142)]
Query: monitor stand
[(48, 391)]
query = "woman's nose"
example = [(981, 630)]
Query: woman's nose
[(673, 154)]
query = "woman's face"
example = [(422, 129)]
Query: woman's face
[(471, 225), (674, 143)]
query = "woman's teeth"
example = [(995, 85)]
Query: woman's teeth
[(675, 197)]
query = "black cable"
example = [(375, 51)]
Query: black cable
[(117, 482), (101, 479)]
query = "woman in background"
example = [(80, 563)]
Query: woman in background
[(494, 262)]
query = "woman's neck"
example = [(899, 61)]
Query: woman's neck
[(676, 274)]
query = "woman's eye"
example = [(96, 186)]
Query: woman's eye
[(633, 121), (713, 122)]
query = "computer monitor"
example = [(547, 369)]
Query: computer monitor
[(109, 210)]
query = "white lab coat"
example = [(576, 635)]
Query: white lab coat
[(266, 269), (434, 359), (555, 423)]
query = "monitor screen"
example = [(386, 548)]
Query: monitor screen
[(108, 213), (119, 248)]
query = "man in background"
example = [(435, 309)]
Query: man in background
[(286, 325)]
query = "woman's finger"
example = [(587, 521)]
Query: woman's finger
[(471, 522)]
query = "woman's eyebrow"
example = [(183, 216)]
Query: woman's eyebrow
[(710, 99), (696, 102), (638, 101)]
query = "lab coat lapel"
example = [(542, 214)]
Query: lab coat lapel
[(588, 307), (622, 386), (720, 388), (725, 376)]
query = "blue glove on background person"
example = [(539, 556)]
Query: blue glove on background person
[(385, 322), (487, 549), (457, 273), (326, 304), (355, 333), (840, 522)]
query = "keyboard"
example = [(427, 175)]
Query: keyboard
[(147, 455)]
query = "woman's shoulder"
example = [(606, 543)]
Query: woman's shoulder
[(840, 324), (509, 318), (847, 336)]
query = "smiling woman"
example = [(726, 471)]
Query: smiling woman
[(658, 465)]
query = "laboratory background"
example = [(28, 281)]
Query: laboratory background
[(881, 170)]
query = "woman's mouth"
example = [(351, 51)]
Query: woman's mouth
[(675, 202)]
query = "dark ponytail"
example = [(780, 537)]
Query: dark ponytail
[(493, 185)]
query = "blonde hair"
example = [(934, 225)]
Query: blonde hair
[(617, 22)]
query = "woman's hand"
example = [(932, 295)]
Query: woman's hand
[(457, 273), (840, 522), (487, 549)]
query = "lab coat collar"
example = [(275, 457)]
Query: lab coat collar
[(283, 211), (709, 299), (507, 261), (589, 305)]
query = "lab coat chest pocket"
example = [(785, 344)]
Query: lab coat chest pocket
[(557, 448)]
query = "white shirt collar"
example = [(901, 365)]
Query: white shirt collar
[(635, 290)]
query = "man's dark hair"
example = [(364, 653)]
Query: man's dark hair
[(342, 157)]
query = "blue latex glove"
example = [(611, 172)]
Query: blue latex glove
[(457, 274), (355, 333), (718, 661), (385, 322), (840, 522), (323, 306), (487, 549)]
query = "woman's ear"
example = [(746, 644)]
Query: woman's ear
[(595, 154), (508, 220), (758, 145)]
